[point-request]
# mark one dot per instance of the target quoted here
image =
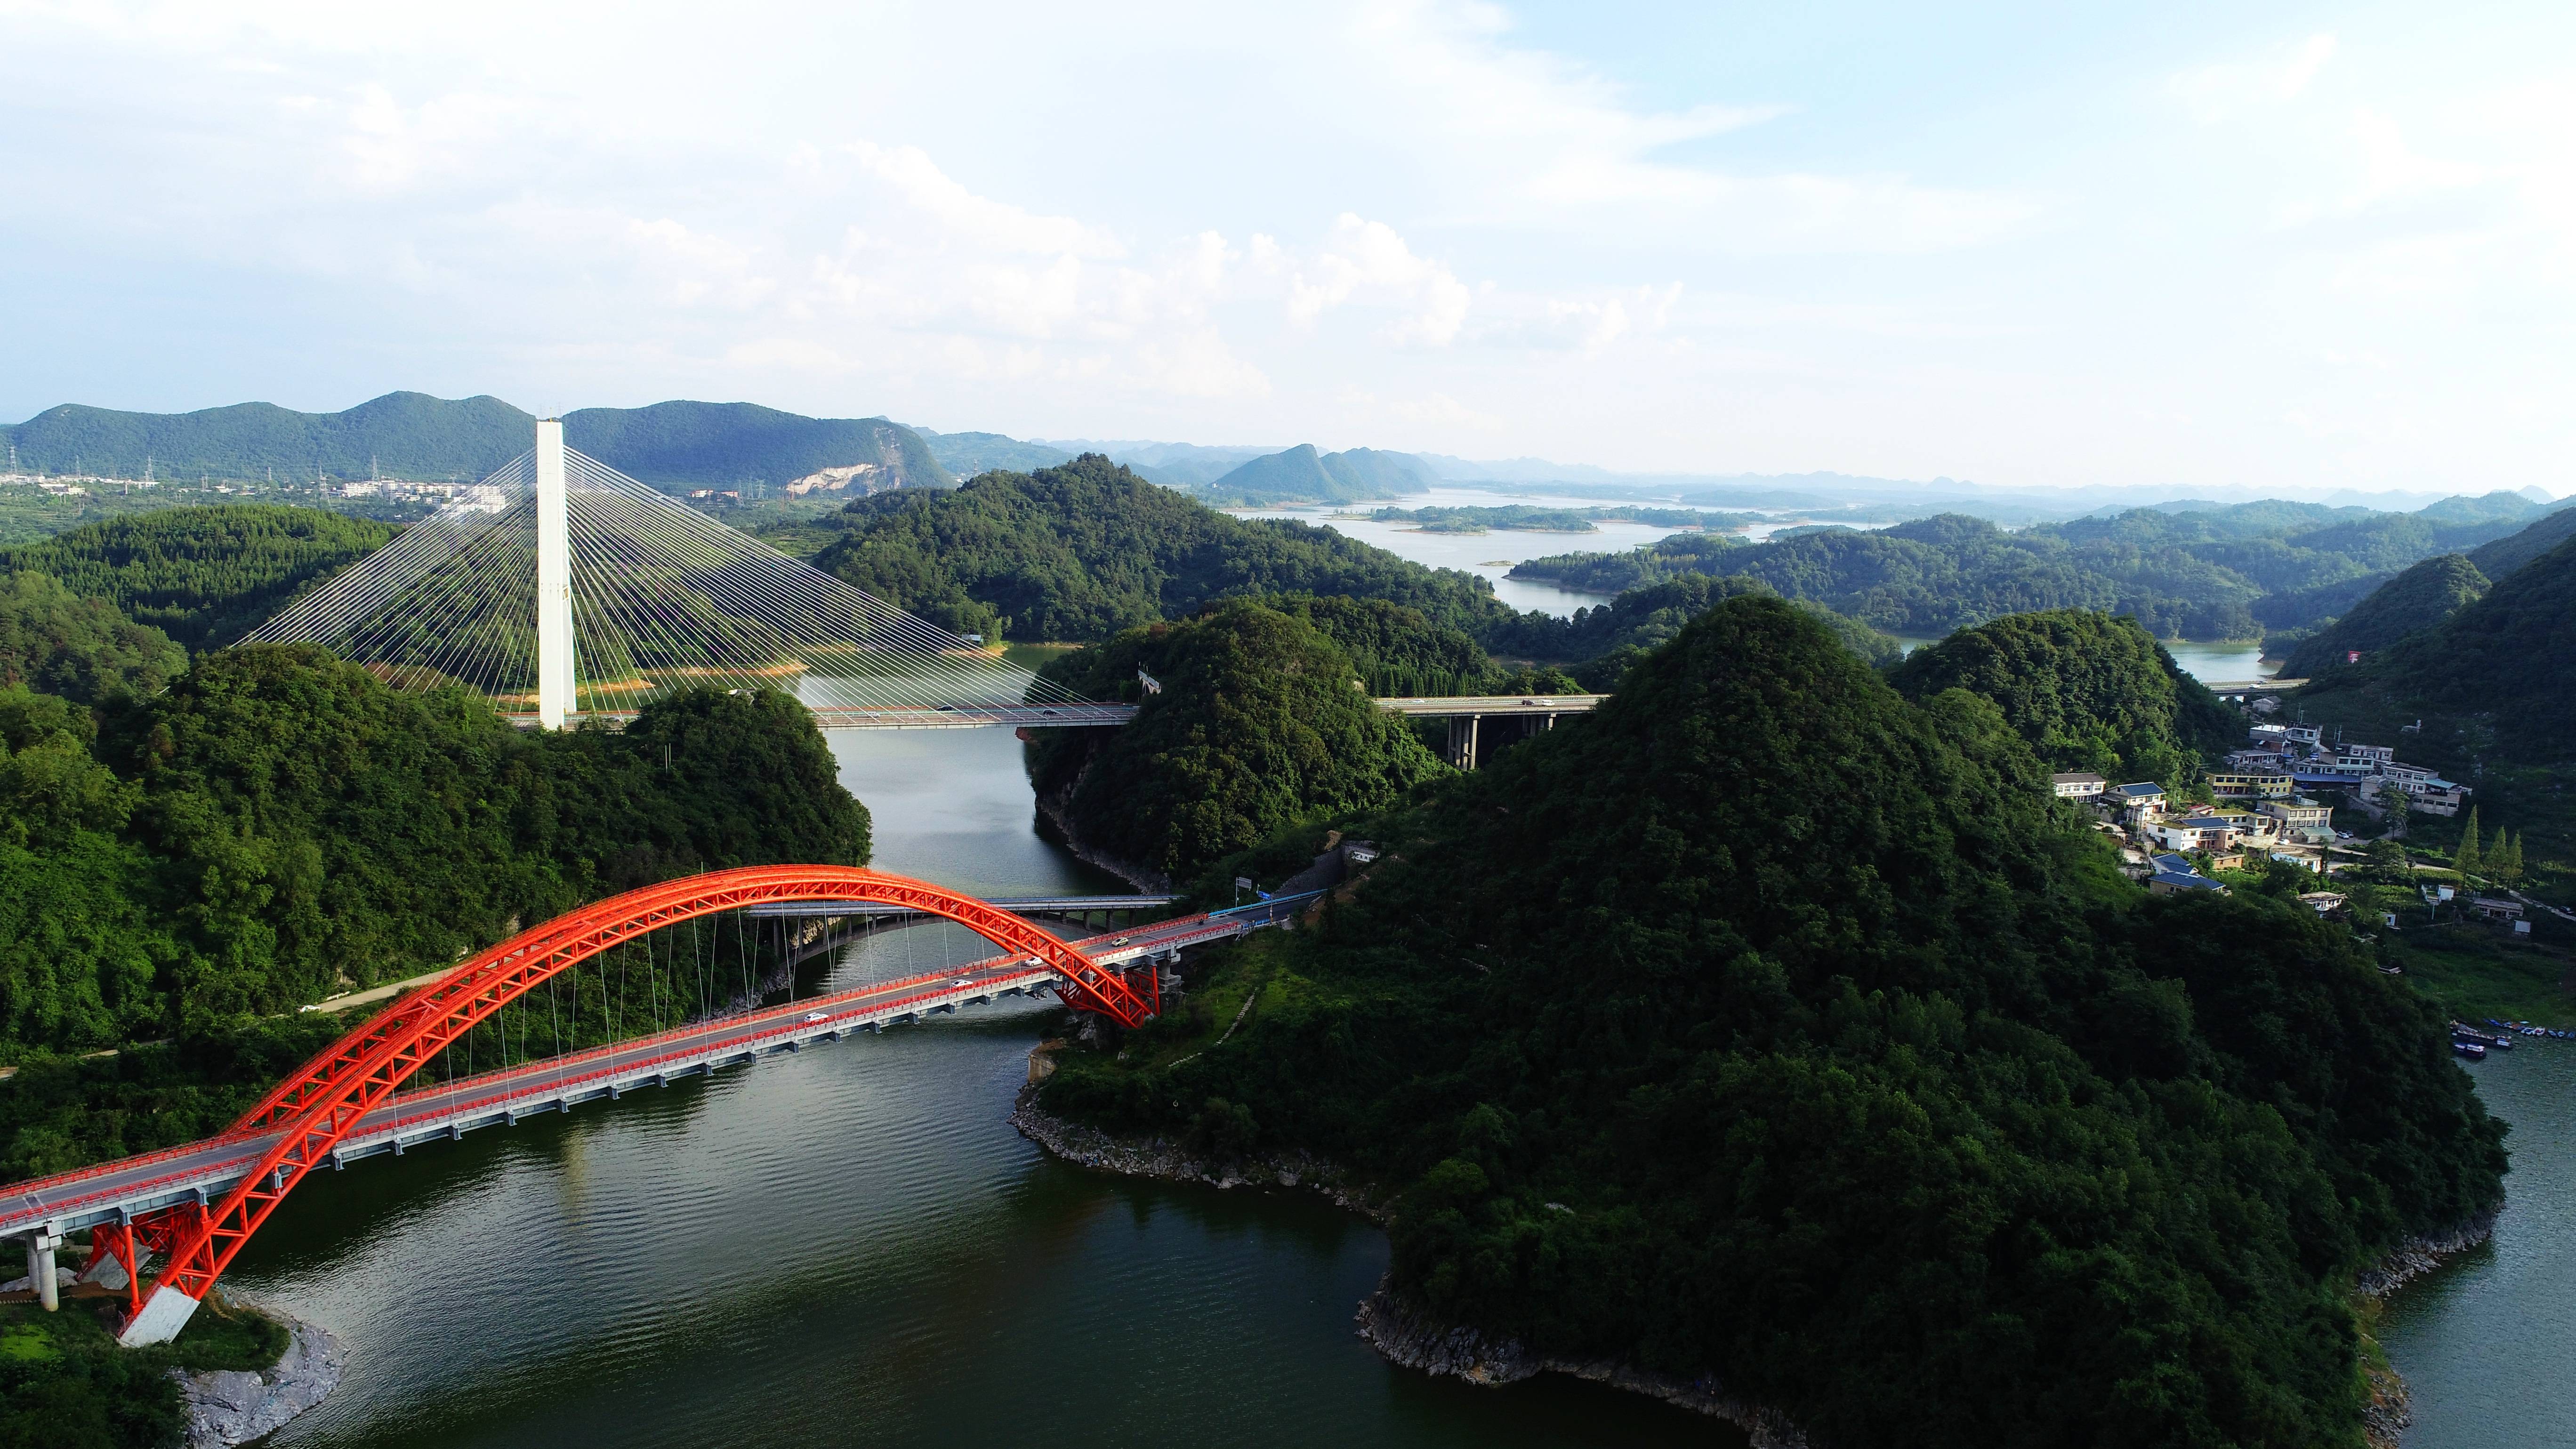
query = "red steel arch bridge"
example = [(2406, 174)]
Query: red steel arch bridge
[(163, 1226)]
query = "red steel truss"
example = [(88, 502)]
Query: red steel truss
[(319, 1105)]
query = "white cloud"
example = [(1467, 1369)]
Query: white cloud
[(1366, 262), (1522, 136), (2219, 92), (975, 222)]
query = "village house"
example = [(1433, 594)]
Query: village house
[(2300, 819), (2212, 833), (2244, 784), (2174, 876), (2077, 786)]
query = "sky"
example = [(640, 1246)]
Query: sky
[(2292, 248)]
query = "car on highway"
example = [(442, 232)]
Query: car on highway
[(818, 1016), (1118, 940)]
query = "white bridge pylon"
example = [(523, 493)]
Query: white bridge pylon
[(563, 590)]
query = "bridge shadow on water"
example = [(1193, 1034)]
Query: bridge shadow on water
[(850, 1246)]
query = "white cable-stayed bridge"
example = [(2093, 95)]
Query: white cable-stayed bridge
[(563, 590)]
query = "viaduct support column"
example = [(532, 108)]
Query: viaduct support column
[(554, 579), (40, 1268)]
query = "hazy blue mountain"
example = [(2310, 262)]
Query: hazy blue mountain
[(2497, 507), (967, 454), (1301, 475), (414, 435), (1174, 465)]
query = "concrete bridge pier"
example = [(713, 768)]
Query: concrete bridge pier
[(40, 1268)]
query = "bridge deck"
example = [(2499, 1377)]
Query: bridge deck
[(1086, 716), (111, 1192), (1434, 706), (1023, 905)]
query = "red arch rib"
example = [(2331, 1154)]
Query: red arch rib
[(327, 1097)]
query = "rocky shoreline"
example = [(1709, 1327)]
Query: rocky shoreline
[(1404, 1337), (226, 1407), (2385, 1418), (2422, 1254), (1401, 1336), (1157, 1158), (1147, 882)]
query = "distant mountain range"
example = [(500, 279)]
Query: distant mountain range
[(683, 445), (675, 445)]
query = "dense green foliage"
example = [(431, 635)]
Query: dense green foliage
[(1614, 634), (203, 575), (1262, 721), (56, 642), (2416, 599), (1302, 475), (277, 825), (1080, 552), (2503, 556), (64, 1383), (2089, 692), (1769, 1025), (2496, 661), (2196, 575)]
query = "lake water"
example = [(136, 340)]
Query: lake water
[(2209, 663), (2484, 1342), (1487, 555), (850, 1246), (1491, 556)]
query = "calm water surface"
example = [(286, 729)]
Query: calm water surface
[(2484, 1343), (1487, 555), (849, 1246)]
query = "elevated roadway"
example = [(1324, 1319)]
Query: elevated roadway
[(117, 1192)]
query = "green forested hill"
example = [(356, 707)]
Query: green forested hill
[(202, 575), (414, 435), (56, 642), (1081, 551), (407, 434), (275, 825), (1262, 721), (1302, 475), (2214, 574), (721, 445), (2417, 599), (2504, 555), (1606, 638), (967, 454), (2089, 692), (1767, 1026), (2496, 664)]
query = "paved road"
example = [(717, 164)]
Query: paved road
[(1492, 704)]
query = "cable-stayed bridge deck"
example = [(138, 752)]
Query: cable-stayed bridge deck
[(924, 716)]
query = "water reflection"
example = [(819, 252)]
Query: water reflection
[(850, 1246)]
